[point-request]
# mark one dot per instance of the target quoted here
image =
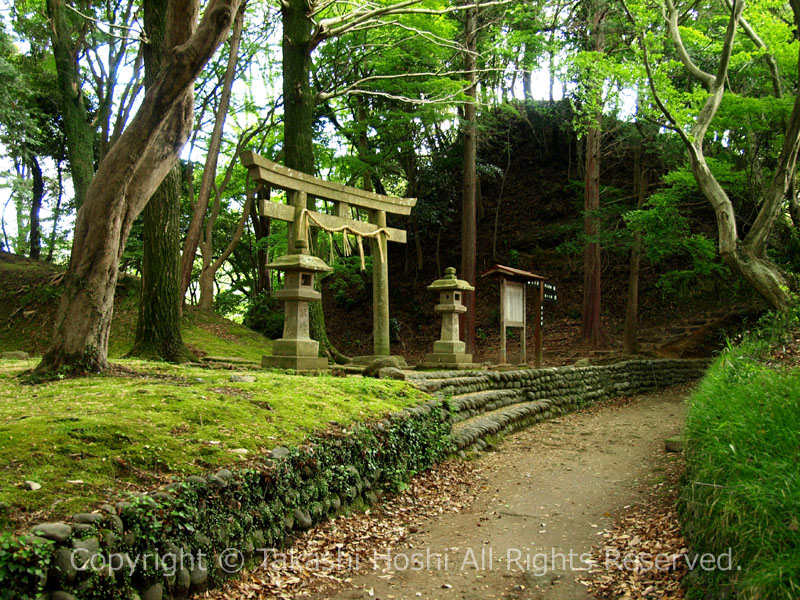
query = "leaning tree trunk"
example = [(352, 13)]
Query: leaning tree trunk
[(126, 179), (194, 233), (298, 124), (746, 257), (158, 330)]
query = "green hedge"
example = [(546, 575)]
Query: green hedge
[(742, 487), (247, 510)]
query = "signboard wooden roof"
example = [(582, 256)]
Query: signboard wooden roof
[(512, 273)]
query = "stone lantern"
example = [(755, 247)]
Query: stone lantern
[(296, 350), (449, 351)]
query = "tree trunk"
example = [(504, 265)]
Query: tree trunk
[(158, 330), (750, 262), (297, 95), (79, 130), (126, 179), (298, 125), (210, 168), (51, 243), (591, 323), (206, 303), (631, 332), (261, 229), (745, 257), (36, 206), (469, 227)]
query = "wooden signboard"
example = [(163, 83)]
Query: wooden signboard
[(513, 306)]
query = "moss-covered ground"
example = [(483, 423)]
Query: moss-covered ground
[(91, 439)]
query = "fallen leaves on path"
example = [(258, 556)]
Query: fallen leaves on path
[(644, 554), (334, 552)]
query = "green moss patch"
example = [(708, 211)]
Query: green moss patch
[(89, 439)]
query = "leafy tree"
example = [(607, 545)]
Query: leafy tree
[(690, 115)]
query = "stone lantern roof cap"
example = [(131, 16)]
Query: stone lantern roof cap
[(449, 282), (300, 262)]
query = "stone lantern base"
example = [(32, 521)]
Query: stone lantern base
[(450, 361), (299, 364)]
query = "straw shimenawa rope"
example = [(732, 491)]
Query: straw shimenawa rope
[(307, 217)]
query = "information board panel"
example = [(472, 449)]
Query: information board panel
[(514, 304)]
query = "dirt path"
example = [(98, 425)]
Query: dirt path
[(543, 493)]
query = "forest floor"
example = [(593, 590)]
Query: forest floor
[(530, 519)]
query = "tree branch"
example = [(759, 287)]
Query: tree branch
[(671, 18), (777, 88)]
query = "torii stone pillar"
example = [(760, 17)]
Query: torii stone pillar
[(381, 343), (449, 351)]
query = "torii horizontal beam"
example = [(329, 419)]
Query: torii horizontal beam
[(287, 212), (262, 169)]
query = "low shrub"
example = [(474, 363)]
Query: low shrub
[(265, 315)]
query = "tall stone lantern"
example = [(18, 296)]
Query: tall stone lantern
[(449, 351), (296, 350)]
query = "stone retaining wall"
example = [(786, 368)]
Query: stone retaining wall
[(495, 402)]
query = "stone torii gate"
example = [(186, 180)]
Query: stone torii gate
[(299, 186)]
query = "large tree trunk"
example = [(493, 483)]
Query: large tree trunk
[(298, 124), (591, 323), (469, 226), (80, 131), (158, 330), (36, 206), (126, 179)]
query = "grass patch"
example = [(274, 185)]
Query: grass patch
[(135, 430), (29, 300), (742, 488)]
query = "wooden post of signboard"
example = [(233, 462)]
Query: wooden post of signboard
[(503, 322), (537, 335), (523, 340), (512, 314), (513, 307)]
